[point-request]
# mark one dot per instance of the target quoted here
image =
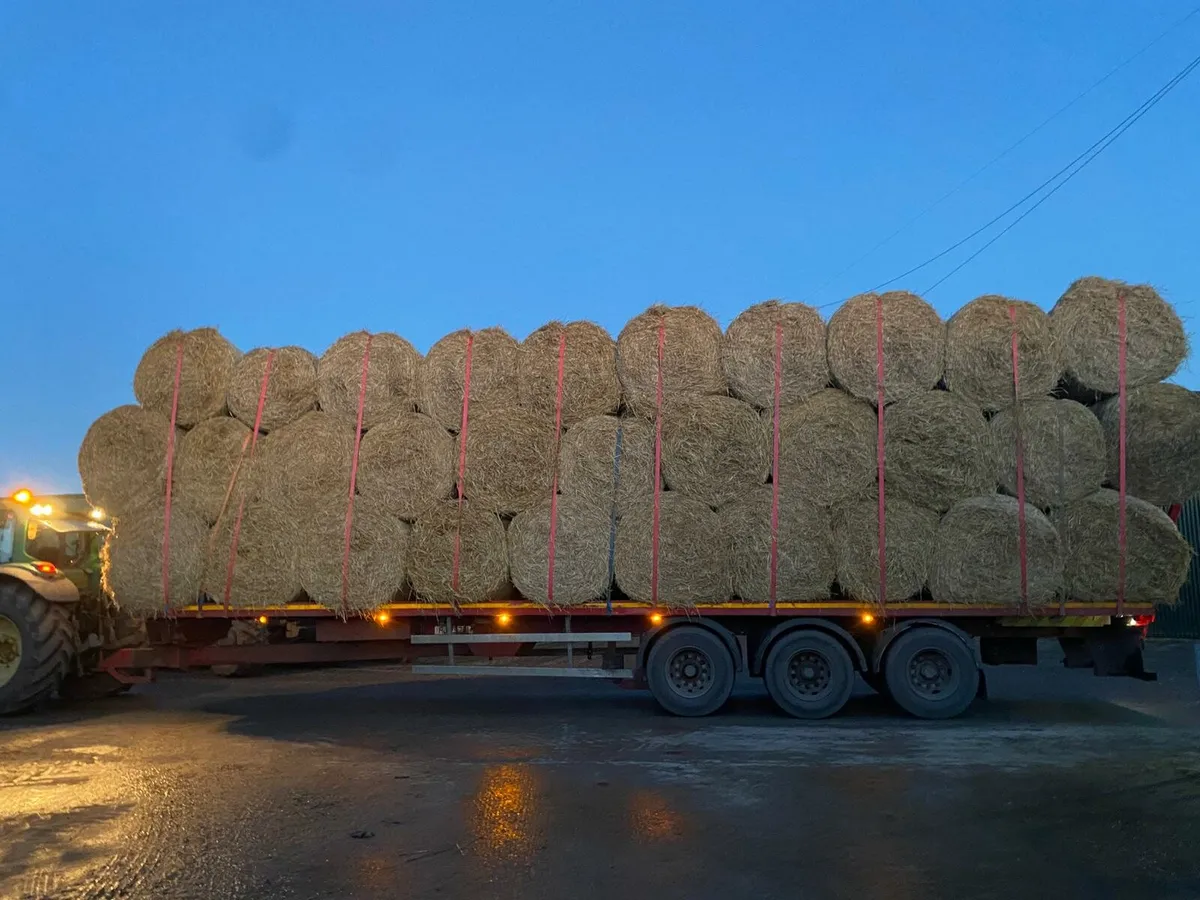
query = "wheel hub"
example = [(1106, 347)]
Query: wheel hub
[(10, 650), (932, 675), (810, 674), (690, 672)]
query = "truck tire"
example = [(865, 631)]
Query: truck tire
[(931, 673), (37, 642), (690, 671), (809, 674)]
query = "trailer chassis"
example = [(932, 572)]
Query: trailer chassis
[(929, 659)]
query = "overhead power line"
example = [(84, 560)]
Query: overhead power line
[(1149, 105), (1006, 151), (1089, 154)]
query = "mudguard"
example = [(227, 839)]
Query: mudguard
[(55, 588)]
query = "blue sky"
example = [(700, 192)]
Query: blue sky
[(291, 171)]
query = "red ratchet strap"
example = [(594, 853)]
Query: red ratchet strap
[(558, 405), (237, 469), (662, 343), (1122, 406), (166, 544), (462, 459), (879, 445), (358, 429), (1022, 545), (774, 584), (237, 522)]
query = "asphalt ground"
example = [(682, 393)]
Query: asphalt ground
[(370, 782)]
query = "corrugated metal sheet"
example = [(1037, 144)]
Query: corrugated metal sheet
[(1183, 619)]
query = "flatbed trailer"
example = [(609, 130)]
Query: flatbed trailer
[(927, 657)]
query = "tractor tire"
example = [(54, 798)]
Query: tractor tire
[(37, 642)]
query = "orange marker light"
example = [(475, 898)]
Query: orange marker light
[(382, 618), (655, 618), (262, 620), (22, 496), (867, 618), (503, 619)]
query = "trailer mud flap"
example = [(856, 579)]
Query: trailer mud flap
[(1115, 653)]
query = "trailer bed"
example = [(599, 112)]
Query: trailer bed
[(521, 607)]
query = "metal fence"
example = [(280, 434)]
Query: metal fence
[(1183, 619)]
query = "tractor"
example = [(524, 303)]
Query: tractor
[(55, 619)]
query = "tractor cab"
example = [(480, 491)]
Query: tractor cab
[(56, 624), (54, 534)]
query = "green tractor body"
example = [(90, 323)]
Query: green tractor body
[(55, 621)]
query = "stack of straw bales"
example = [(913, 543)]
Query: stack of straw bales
[(478, 458)]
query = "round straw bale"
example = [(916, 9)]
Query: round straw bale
[(494, 355), (208, 363), (509, 459), (1062, 446), (376, 564), (210, 463), (1162, 442), (306, 464), (481, 553), (909, 540), (132, 559), (590, 386), (979, 362), (581, 537), (938, 450), (264, 556), (805, 566), (1157, 556), (392, 370), (123, 459), (691, 356), (977, 554), (914, 346), (692, 566), (1086, 328), (827, 448), (407, 463), (291, 386), (591, 469), (714, 449), (748, 353)]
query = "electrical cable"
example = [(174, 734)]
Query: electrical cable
[(1149, 105), (1006, 151), (1116, 130)]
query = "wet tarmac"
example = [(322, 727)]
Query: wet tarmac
[(368, 782)]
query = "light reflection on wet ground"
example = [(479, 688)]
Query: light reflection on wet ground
[(503, 818), (652, 817), (363, 783)]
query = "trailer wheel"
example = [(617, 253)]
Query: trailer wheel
[(931, 673), (809, 674), (690, 671), (36, 644)]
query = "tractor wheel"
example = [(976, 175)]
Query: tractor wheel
[(37, 641)]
